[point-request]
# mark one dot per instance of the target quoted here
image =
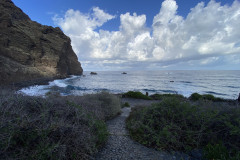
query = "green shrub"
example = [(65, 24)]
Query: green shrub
[(137, 95), (220, 151), (212, 98), (177, 125), (196, 97), (216, 151), (70, 127), (208, 97), (101, 132), (126, 104), (162, 96)]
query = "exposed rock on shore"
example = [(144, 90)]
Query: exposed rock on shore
[(29, 50)]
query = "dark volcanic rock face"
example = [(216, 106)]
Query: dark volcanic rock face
[(29, 50)]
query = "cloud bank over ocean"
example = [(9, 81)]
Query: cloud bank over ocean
[(208, 36)]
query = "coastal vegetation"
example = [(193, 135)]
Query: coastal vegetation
[(162, 96), (137, 95), (202, 123), (140, 95), (126, 104), (74, 127), (71, 127), (196, 97)]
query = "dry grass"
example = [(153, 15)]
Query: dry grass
[(54, 127)]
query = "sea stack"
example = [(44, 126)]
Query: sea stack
[(31, 51)]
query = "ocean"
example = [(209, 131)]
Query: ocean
[(224, 84)]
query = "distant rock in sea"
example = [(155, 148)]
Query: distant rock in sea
[(30, 51), (93, 73), (124, 73)]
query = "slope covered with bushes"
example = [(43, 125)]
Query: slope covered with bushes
[(54, 127), (175, 124)]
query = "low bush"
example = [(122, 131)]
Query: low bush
[(126, 104), (162, 96), (137, 95), (177, 125), (103, 105), (212, 98), (196, 97), (54, 127)]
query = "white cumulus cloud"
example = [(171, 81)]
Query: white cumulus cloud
[(210, 34)]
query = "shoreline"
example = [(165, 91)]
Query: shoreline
[(34, 82), (156, 82), (19, 86), (46, 81)]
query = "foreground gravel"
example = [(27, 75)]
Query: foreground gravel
[(119, 145)]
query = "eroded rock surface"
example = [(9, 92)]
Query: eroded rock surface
[(29, 50)]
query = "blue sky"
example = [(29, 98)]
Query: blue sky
[(42, 11), (146, 34)]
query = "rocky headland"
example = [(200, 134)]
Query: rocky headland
[(30, 51)]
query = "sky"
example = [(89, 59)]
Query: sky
[(122, 35)]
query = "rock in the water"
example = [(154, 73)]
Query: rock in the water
[(29, 50), (93, 73)]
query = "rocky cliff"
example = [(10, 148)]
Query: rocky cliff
[(31, 51)]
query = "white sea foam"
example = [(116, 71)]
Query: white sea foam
[(41, 90), (38, 90), (58, 82)]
